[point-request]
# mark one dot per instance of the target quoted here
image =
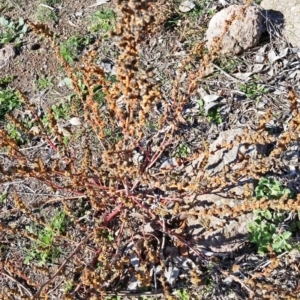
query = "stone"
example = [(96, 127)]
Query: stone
[(243, 33), (7, 53), (291, 18)]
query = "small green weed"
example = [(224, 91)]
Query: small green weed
[(212, 11), (113, 298), (60, 222), (228, 64), (103, 21), (9, 100), (183, 151), (182, 294), (271, 189), (71, 48), (17, 134), (99, 97), (254, 91), (262, 230), (4, 81), (112, 136), (12, 31), (3, 197), (44, 82), (213, 115), (173, 21), (263, 233), (60, 111), (44, 250), (108, 236), (68, 287)]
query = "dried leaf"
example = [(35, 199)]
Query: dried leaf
[(136, 215), (184, 263), (171, 274), (134, 284), (148, 228), (257, 68), (273, 56), (210, 98), (35, 130), (243, 76), (75, 121), (99, 2), (134, 260), (186, 6), (221, 157), (169, 164), (259, 58)]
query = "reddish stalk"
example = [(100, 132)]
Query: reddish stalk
[(113, 214)]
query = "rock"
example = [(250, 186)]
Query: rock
[(7, 53), (291, 18), (243, 33), (219, 158)]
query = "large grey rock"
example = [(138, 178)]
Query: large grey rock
[(291, 18), (243, 33)]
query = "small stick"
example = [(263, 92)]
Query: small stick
[(113, 214), (228, 75), (18, 283), (161, 252)]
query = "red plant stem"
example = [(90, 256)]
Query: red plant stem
[(169, 231), (159, 152), (182, 240), (95, 258), (135, 199), (55, 186), (113, 214), (118, 243), (51, 144)]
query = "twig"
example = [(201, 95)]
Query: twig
[(33, 147), (263, 265), (161, 252), (18, 283), (182, 240), (119, 241), (159, 152), (228, 75), (113, 214), (63, 199), (47, 6), (132, 294), (236, 279)]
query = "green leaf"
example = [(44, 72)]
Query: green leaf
[(277, 245), (267, 214), (3, 21), (286, 235)]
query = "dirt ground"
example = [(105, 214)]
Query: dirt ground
[(46, 249)]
